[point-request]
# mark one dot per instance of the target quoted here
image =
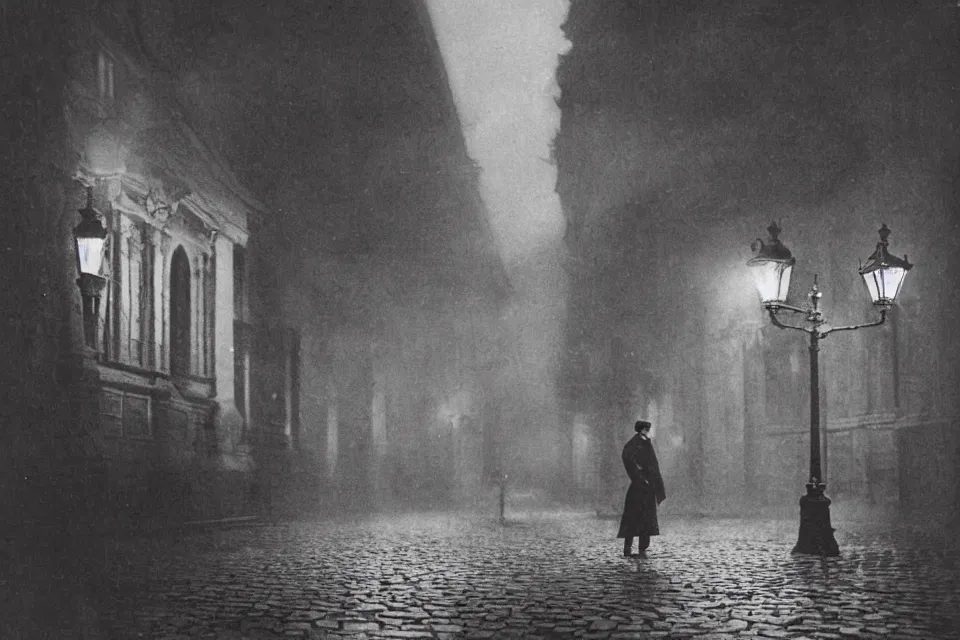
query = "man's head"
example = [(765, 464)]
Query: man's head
[(642, 426)]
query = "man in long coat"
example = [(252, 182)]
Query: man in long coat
[(646, 491)]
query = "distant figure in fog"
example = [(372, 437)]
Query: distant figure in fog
[(646, 491)]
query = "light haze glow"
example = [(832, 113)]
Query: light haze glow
[(501, 58)]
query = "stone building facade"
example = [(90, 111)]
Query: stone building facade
[(684, 132), (145, 417), (341, 347)]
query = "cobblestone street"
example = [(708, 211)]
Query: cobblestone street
[(542, 575)]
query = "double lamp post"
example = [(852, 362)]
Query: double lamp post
[(772, 265)]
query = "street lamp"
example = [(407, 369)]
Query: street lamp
[(90, 235), (884, 273), (884, 276), (772, 266)]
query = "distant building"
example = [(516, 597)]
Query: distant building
[(685, 130), (396, 283)]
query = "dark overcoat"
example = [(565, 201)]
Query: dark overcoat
[(646, 489)]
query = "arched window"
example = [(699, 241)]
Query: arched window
[(180, 313)]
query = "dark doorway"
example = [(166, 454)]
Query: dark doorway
[(180, 313)]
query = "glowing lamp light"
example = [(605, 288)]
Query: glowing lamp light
[(90, 235), (884, 273), (772, 266), (90, 252)]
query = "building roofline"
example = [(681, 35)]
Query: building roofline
[(174, 114)]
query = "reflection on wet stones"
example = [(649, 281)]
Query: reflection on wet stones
[(558, 577)]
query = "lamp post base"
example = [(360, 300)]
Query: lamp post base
[(816, 533)]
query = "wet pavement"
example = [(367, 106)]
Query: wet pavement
[(543, 575)]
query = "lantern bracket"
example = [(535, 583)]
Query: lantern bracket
[(817, 325)]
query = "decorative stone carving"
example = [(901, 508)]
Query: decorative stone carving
[(186, 225), (149, 197), (157, 204)]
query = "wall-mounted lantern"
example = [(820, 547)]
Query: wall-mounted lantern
[(90, 236)]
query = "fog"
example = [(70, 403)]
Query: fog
[(352, 127), (421, 308), (687, 128), (501, 60), (365, 258)]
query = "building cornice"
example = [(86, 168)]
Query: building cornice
[(166, 142)]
